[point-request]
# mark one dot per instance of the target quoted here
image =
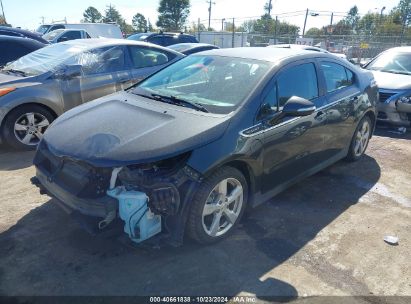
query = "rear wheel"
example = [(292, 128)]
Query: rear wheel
[(360, 140), (24, 126), (218, 205)]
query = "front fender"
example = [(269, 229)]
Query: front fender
[(48, 94)]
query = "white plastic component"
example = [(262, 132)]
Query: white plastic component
[(140, 223)]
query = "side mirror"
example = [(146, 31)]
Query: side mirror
[(297, 106), (69, 72)]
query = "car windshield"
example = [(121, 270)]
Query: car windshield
[(397, 63), (43, 60), (53, 34), (42, 29), (219, 84)]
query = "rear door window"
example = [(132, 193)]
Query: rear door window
[(142, 57), (336, 76)]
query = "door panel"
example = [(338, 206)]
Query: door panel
[(343, 93), (296, 144), (105, 71), (291, 148)]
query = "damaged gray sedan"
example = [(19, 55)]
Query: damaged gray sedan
[(189, 148)]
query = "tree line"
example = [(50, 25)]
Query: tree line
[(173, 14), (395, 23)]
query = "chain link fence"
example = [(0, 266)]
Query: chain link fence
[(358, 48)]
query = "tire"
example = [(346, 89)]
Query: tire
[(21, 121), (209, 206), (360, 139)]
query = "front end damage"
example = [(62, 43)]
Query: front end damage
[(150, 199)]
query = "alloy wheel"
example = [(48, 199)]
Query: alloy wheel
[(223, 207), (362, 138), (30, 127)]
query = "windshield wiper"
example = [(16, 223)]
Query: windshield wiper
[(396, 72), (16, 72), (181, 102), (175, 101)]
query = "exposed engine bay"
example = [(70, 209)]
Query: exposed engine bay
[(144, 196)]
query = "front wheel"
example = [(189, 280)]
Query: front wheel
[(360, 139), (218, 205), (24, 126)]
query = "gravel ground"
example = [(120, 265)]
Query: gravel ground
[(323, 236)]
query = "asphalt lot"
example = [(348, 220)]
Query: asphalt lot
[(323, 236)]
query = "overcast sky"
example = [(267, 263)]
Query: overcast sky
[(27, 13)]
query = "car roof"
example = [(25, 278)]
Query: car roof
[(102, 42), (298, 46), (171, 34), (400, 48), (20, 39), (264, 53), (193, 44), (190, 46)]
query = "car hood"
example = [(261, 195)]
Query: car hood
[(123, 128), (16, 81), (392, 81)]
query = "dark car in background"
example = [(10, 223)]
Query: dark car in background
[(392, 71), (164, 39), (191, 48), (16, 32), (195, 143), (40, 86), (13, 48)]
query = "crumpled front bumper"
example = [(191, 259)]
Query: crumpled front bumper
[(99, 207), (394, 113)]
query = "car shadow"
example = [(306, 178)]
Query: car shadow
[(56, 257), (14, 160)]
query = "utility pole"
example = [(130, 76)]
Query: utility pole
[(209, 13), (2, 11), (198, 29), (305, 21), (269, 7), (233, 33), (222, 24)]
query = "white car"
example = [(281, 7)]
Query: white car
[(308, 48), (95, 30)]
